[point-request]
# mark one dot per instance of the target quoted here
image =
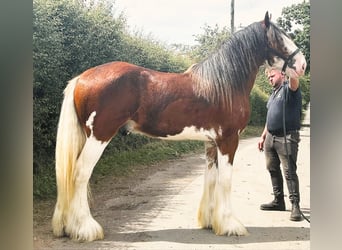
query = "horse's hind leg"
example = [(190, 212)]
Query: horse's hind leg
[(80, 225), (205, 211)]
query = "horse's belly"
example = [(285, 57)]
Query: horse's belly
[(188, 133), (192, 133)]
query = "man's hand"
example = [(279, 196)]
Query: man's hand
[(293, 83), (261, 144)]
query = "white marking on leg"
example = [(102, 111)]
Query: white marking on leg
[(207, 204), (223, 221), (80, 224)]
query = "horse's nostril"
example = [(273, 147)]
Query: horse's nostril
[(304, 66)]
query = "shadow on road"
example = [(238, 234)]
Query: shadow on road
[(202, 236)]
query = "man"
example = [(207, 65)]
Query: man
[(272, 140)]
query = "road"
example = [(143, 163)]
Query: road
[(159, 210)]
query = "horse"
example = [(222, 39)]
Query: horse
[(207, 102)]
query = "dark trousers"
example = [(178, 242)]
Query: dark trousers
[(276, 154)]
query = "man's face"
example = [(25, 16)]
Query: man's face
[(275, 78)]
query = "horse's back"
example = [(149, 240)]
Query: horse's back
[(108, 72)]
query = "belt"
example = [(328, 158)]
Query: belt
[(280, 132)]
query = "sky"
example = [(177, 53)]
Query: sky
[(177, 21)]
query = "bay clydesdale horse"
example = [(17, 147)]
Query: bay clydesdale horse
[(208, 102)]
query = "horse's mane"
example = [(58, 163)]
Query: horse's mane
[(228, 70)]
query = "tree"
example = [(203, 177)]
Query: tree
[(209, 41), (70, 37), (232, 10), (48, 72), (295, 19)]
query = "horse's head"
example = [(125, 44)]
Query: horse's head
[(281, 52)]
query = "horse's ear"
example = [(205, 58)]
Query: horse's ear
[(267, 20)]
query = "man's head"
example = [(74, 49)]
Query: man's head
[(275, 77)]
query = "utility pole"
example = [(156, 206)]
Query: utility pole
[(232, 29)]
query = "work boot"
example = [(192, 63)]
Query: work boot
[(295, 212), (293, 186), (278, 204)]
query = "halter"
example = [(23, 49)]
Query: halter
[(288, 61)]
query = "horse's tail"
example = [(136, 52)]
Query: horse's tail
[(69, 143)]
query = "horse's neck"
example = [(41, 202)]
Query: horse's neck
[(253, 69)]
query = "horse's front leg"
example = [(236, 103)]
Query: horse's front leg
[(222, 219)]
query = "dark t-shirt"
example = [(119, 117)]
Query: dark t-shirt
[(293, 108)]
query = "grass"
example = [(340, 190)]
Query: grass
[(117, 162), (44, 186), (122, 163)]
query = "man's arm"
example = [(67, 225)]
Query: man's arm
[(293, 83), (262, 139)]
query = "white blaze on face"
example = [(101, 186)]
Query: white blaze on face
[(299, 58), (300, 62), (289, 44)]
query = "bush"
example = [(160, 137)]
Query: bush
[(258, 100), (304, 83), (68, 38)]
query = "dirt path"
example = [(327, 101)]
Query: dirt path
[(157, 209)]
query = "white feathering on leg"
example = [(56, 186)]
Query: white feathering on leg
[(224, 222)]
